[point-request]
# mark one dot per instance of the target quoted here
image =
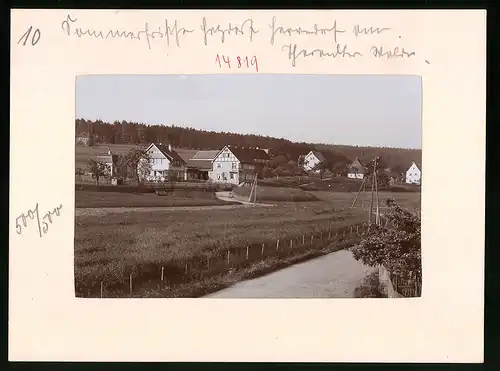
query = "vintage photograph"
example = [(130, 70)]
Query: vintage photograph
[(248, 186)]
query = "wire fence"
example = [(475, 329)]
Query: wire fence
[(181, 272)]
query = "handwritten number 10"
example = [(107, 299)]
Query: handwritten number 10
[(35, 37)]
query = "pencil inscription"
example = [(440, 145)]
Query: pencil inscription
[(42, 223)]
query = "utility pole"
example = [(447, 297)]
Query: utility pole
[(373, 191), (359, 191), (375, 173)]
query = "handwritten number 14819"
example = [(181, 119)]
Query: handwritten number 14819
[(238, 62)]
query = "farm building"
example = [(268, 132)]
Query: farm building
[(198, 163), (356, 170), (236, 165), (312, 159), (413, 174), (165, 163), (110, 160)]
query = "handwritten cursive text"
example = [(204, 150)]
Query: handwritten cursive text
[(339, 52), (378, 51), (245, 28), (168, 32), (42, 224), (316, 30), (357, 30)]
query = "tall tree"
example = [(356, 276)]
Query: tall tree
[(139, 160), (98, 169)]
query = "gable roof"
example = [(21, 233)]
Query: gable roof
[(357, 164), (318, 155), (205, 155), (416, 164), (186, 154), (171, 155), (246, 155)]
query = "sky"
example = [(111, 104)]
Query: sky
[(363, 110)]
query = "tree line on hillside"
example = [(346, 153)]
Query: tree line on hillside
[(282, 151)]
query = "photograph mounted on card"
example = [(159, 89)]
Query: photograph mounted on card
[(226, 180), (270, 188)]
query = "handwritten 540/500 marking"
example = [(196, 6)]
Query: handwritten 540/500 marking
[(43, 224), (238, 62)]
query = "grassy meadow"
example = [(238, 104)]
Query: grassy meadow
[(109, 248), (275, 194), (93, 199)]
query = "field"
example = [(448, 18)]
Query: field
[(409, 200), (109, 248), (275, 194), (91, 199)]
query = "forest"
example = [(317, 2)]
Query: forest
[(397, 159)]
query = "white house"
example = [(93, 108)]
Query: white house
[(413, 174), (235, 165), (312, 159), (356, 170), (165, 163)]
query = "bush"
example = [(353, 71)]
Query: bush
[(397, 247)]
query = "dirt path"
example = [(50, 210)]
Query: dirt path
[(229, 197), (334, 275)]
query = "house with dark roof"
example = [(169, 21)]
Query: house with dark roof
[(235, 165), (166, 163), (356, 170)]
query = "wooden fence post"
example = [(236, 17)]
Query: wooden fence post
[(130, 283), (303, 240), (228, 256), (312, 238), (329, 235), (357, 229), (350, 231), (162, 269), (208, 263), (291, 244), (186, 268), (247, 253), (101, 289), (277, 244), (321, 235), (262, 250)]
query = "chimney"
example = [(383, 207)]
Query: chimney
[(170, 147), (109, 152)]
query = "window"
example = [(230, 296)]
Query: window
[(219, 165), (234, 165), (218, 176), (231, 176)]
